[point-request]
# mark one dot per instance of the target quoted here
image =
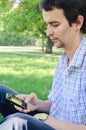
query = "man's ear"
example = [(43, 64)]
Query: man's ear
[(79, 21)]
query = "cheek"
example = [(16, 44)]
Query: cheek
[(61, 30), (66, 32)]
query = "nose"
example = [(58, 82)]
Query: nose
[(49, 31)]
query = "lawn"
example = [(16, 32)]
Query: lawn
[(27, 73)]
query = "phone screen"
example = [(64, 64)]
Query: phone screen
[(16, 100)]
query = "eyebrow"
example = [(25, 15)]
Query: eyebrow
[(53, 22)]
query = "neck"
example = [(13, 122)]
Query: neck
[(70, 49)]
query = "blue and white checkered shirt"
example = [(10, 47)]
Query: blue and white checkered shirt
[(68, 94)]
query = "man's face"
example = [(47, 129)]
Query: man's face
[(58, 28)]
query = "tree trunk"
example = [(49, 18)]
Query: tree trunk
[(43, 43), (49, 46)]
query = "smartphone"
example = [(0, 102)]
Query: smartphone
[(15, 100)]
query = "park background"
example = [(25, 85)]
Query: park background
[(27, 56)]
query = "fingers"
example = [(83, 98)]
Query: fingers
[(31, 107), (30, 100), (21, 96), (21, 109), (30, 97)]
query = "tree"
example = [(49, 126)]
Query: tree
[(16, 4), (27, 18)]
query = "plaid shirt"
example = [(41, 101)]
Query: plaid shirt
[(68, 94)]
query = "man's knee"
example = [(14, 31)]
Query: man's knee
[(14, 122), (2, 87), (19, 121), (2, 92)]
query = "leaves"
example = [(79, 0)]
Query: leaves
[(26, 18)]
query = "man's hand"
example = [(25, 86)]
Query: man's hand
[(31, 100)]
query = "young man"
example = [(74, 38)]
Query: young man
[(66, 25)]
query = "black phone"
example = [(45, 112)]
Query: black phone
[(15, 100)]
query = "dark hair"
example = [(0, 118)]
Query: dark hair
[(71, 8)]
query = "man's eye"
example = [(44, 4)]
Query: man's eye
[(55, 25)]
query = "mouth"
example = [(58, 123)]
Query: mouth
[(53, 39)]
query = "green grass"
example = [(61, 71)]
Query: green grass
[(26, 73)]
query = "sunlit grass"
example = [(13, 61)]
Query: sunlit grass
[(26, 73)]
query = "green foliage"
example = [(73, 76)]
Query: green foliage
[(4, 6), (27, 17), (16, 39), (24, 23)]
